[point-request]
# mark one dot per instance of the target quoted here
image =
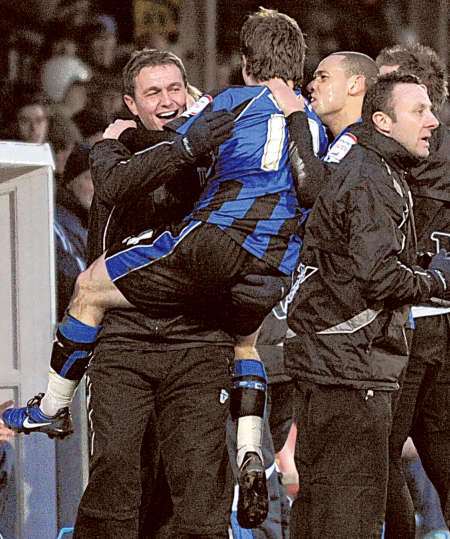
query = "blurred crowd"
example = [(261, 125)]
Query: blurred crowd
[(63, 86)]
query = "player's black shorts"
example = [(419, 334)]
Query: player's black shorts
[(191, 269)]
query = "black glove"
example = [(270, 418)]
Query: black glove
[(263, 291), (440, 269), (206, 133)]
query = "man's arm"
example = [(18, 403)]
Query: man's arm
[(118, 175), (376, 242), (310, 173)]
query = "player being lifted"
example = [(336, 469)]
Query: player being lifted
[(245, 222)]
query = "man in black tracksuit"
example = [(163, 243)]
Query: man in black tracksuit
[(168, 377), (357, 280), (129, 349), (135, 355), (421, 407), (422, 410)]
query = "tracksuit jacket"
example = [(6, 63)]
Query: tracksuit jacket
[(358, 276)]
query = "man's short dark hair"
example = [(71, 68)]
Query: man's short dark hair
[(25, 95), (424, 63), (273, 46), (379, 97), (148, 58), (357, 63)]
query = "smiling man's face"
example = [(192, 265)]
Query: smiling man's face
[(159, 95)]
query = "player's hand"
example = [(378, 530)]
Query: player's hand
[(264, 290), (5, 433), (208, 132), (284, 95), (114, 130)]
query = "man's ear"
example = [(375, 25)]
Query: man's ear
[(382, 122), (130, 103), (357, 85)]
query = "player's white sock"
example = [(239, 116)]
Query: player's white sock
[(249, 436), (60, 392)]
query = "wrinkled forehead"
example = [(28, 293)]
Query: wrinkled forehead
[(405, 95), (163, 74)]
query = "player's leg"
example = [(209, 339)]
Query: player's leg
[(248, 404), (115, 280), (74, 342)]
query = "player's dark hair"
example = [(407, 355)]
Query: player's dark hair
[(273, 46), (357, 63), (424, 63), (148, 58), (379, 96)]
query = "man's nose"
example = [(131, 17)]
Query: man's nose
[(165, 98), (432, 121)]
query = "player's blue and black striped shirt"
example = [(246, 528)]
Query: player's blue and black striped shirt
[(250, 193)]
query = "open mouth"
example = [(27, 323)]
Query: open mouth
[(167, 116)]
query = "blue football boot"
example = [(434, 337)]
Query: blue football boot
[(30, 418)]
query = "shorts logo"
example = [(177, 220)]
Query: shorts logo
[(223, 396), (134, 240)]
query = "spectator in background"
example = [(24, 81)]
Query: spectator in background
[(28, 116), (74, 193), (64, 81), (63, 134), (72, 15), (101, 50), (91, 123), (105, 105)]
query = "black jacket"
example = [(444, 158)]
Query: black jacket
[(136, 190), (143, 182), (359, 275), (430, 186)]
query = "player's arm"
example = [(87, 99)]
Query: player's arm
[(310, 173)]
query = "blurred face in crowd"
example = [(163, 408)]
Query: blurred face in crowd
[(83, 188), (77, 12), (76, 98), (66, 46), (159, 95), (329, 87), (110, 103), (412, 121), (32, 121), (103, 49)]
